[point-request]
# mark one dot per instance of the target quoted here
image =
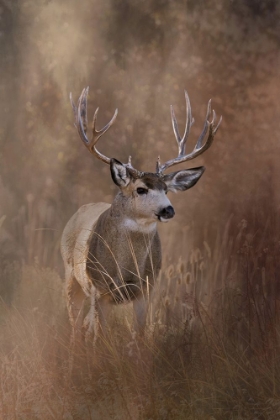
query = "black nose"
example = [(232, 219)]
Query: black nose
[(167, 212)]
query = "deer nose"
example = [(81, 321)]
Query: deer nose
[(167, 212)]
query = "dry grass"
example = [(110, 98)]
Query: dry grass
[(210, 349)]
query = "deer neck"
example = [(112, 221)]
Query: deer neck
[(122, 247), (123, 215)]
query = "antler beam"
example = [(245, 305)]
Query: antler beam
[(209, 126)]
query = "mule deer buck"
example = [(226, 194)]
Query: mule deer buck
[(112, 253)]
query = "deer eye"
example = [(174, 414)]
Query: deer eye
[(142, 191)]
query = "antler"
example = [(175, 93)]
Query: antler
[(199, 148), (80, 113)]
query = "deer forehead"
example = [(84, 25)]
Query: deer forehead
[(150, 181)]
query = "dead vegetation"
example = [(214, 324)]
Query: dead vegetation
[(210, 349)]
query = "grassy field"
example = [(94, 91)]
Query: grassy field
[(211, 348)]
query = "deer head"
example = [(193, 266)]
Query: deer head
[(144, 193)]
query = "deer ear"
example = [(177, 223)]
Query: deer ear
[(183, 180), (119, 173)]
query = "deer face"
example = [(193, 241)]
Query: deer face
[(146, 196)]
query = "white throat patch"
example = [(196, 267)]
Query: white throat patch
[(139, 225)]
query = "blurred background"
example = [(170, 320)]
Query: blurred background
[(221, 252), (137, 57)]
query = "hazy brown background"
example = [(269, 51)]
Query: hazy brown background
[(137, 56), (211, 349)]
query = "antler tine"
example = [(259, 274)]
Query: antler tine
[(212, 130), (199, 147), (98, 133), (82, 117), (82, 106), (189, 121), (206, 125)]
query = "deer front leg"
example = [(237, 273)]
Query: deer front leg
[(97, 318), (140, 307), (75, 305), (90, 324)]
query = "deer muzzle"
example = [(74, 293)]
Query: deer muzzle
[(165, 214)]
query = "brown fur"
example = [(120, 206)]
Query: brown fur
[(119, 263), (153, 182)]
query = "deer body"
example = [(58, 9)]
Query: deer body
[(112, 253)]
